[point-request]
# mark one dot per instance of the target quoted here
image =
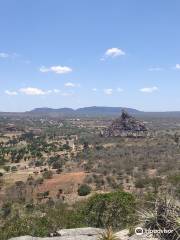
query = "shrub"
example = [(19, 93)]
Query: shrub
[(175, 179), (39, 180), (29, 207), (47, 221), (38, 163), (47, 175), (84, 190), (2, 161), (17, 226), (7, 168), (59, 170), (116, 209), (6, 210), (108, 235), (57, 165), (66, 147), (13, 169), (140, 183)]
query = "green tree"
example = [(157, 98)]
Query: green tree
[(116, 209), (84, 190)]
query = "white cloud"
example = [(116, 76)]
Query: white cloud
[(33, 91), (11, 93), (49, 91), (4, 55), (56, 69), (120, 90), (69, 84), (66, 94), (108, 91), (149, 89), (102, 59), (155, 69), (9, 55), (177, 66), (37, 91), (94, 89), (114, 52), (56, 90)]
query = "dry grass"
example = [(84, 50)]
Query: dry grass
[(108, 234)]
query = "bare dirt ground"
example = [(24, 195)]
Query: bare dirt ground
[(68, 182), (20, 175)]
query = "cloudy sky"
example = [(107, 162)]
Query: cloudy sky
[(67, 53)]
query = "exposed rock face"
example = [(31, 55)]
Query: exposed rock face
[(126, 126), (69, 234), (85, 234), (89, 231), (143, 237)]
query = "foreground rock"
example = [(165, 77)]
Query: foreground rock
[(69, 234), (84, 234), (135, 237)]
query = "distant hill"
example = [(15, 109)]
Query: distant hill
[(86, 111), (51, 110), (93, 111)]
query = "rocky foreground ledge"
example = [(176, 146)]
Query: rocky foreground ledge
[(84, 234)]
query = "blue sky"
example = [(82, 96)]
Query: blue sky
[(66, 53)]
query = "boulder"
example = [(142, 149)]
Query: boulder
[(85, 234), (89, 231), (123, 235), (69, 234), (142, 237)]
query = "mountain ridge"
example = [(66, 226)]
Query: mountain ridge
[(92, 111), (85, 111)]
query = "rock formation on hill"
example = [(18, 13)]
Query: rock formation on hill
[(125, 126)]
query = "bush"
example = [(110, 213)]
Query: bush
[(57, 165), (116, 209), (6, 210), (47, 175), (84, 190), (59, 170), (108, 235), (13, 169), (175, 179), (7, 168), (56, 217), (38, 163), (17, 226), (140, 183), (39, 181), (2, 161)]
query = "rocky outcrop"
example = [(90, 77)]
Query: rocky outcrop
[(125, 126), (69, 234), (85, 234)]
